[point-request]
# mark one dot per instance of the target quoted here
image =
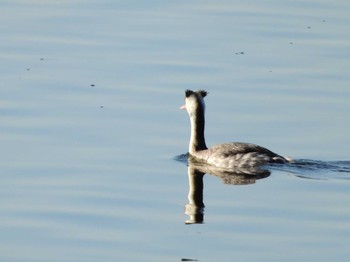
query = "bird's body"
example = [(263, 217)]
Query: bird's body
[(227, 155), (237, 154)]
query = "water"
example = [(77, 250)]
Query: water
[(90, 129)]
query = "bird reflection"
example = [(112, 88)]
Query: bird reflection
[(196, 171)]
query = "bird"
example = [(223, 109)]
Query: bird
[(229, 155)]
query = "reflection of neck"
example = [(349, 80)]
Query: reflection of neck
[(195, 207), (197, 141)]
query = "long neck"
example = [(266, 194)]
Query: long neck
[(197, 141)]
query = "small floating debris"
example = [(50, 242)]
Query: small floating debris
[(101, 106), (239, 53), (41, 59), (309, 27), (92, 85), (28, 69)]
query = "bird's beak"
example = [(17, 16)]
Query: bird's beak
[(183, 107)]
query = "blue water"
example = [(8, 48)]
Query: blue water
[(91, 129)]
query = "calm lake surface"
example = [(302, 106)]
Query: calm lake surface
[(92, 137)]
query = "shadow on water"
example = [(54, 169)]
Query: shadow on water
[(196, 171), (307, 169)]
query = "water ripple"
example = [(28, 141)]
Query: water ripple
[(305, 168), (316, 169)]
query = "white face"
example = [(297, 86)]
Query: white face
[(192, 103)]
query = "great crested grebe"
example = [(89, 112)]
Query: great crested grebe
[(227, 155)]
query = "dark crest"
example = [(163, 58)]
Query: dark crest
[(202, 93), (188, 92)]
